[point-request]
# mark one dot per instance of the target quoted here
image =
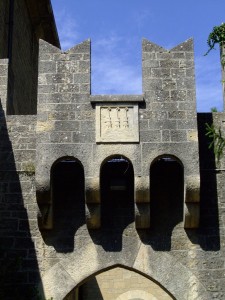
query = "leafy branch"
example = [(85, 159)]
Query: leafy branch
[(218, 142), (217, 36)]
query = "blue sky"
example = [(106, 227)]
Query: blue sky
[(116, 29)]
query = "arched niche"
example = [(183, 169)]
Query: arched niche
[(166, 193), (119, 283), (67, 207), (117, 192)]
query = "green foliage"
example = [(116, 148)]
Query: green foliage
[(217, 140), (214, 109), (217, 36)]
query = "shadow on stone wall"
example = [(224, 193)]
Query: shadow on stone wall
[(19, 272), (90, 290), (207, 236)]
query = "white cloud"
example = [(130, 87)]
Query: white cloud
[(141, 18), (112, 76), (67, 29), (113, 71), (107, 44)]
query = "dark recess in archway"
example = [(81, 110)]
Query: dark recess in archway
[(167, 197), (67, 185), (117, 193)]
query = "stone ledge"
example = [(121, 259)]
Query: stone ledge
[(116, 98)]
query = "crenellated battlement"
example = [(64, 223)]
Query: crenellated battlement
[(162, 122)]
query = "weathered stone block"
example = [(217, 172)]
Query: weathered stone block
[(47, 67), (81, 78), (160, 72), (152, 84), (68, 88), (148, 64), (150, 136), (166, 136), (169, 84), (59, 78), (47, 89), (60, 137), (178, 136), (68, 67), (66, 125), (84, 137), (177, 115), (167, 63)]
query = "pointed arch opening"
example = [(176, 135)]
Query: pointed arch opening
[(117, 192), (166, 193), (119, 283)]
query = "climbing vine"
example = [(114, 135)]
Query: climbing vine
[(217, 140), (217, 36)]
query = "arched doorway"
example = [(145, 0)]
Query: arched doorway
[(117, 193), (119, 284), (67, 188), (166, 193)]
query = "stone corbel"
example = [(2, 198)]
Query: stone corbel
[(44, 201), (192, 202), (142, 202), (93, 207)]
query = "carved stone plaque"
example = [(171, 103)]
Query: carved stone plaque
[(117, 123)]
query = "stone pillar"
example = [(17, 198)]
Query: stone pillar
[(142, 202), (192, 202), (93, 205)]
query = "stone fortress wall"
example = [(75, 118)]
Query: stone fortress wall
[(63, 242)]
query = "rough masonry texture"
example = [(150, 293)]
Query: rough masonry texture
[(88, 213)]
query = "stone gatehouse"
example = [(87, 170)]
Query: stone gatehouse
[(104, 196)]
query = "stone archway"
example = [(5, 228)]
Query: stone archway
[(90, 260), (121, 284)]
